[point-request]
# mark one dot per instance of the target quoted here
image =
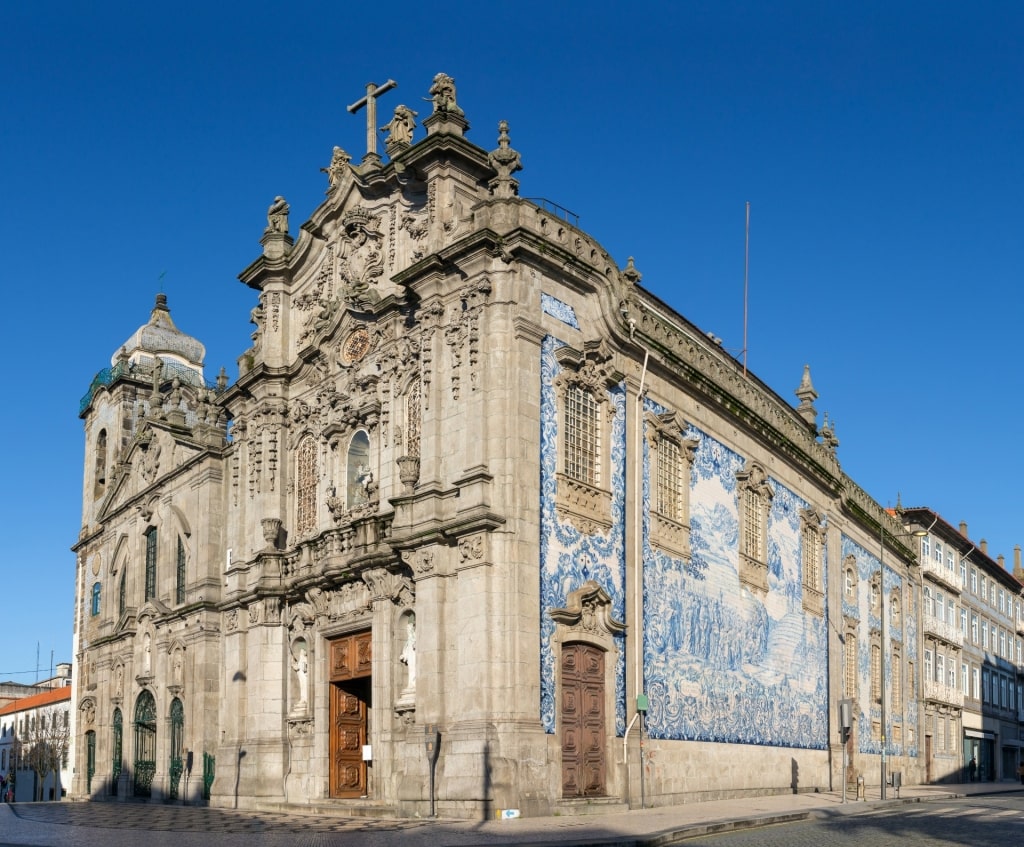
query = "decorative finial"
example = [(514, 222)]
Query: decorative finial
[(828, 435), (630, 273), (399, 130), (336, 169), (506, 161), (807, 396)]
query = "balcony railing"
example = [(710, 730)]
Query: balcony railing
[(938, 571), (943, 693), (950, 633)]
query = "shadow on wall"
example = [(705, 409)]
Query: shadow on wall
[(794, 782)]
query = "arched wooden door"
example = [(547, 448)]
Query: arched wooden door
[(584, 768)]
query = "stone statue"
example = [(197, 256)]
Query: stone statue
[(147, 655), (176, 672), (277, 216), (334, 171), (443, 94), (408, 655), (400, 127), (300, 664), (119, 682)]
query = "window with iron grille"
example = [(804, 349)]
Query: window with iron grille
[(669, 500), (305, 488), (581, 437)]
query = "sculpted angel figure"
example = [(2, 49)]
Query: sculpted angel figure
[(400, 127)]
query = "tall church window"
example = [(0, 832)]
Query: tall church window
[(305, 487), (755, 496), (96, 588), (122, 592), (358, 475), (179, 579), (413, 422), (100, 477), (812, 551), (897, 681), (876, 672), (850, 664), (672, 458), (151, 536), (581, 438), (669, 500)]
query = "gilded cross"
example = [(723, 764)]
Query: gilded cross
[(370, 101)]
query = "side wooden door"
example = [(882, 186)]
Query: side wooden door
[(584, 769)]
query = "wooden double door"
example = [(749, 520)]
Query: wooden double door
[(350, 699), (584, 766)]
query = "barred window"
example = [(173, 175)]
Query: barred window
[(753, 525), (850, 665), (876, 671), (669, 500), (305, 488), (581, 436), (150, 564)]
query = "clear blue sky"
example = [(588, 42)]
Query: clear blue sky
[(879, 145)]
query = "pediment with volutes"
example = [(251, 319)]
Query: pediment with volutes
[(156, 454)]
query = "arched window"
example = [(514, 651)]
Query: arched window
[(358, 475), (96, 588), (151, 537), (122, 596), (100, 477), (305, 487)]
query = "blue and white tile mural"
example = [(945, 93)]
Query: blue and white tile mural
[(557, 309), (568, 557), (900, 631), (722, 664)]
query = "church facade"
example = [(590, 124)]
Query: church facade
[(478, 515)]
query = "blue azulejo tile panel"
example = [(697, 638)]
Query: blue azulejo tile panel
[(720, 663), (901, 634), (568, 558), (557, 309)]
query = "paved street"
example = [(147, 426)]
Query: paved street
[(979, 822), (977, 815)]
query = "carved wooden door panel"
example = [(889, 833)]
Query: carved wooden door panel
[(350, 709), (582, 719), (348, 735)]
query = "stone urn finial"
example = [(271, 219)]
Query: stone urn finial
[(409, 472), (271, 531)]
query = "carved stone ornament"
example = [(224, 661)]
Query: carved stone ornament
[(409, 472), (271, 531), (471, 549), (421, 561), (506, 162), (588, 611)]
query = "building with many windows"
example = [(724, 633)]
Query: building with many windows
[(973, 663), (36, 746), (474, 486)]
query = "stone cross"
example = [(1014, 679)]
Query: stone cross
[(370, 101)]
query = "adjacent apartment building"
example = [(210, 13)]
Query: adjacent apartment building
[(973, 625)]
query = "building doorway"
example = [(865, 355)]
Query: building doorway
[(145, 744), (350, 702), (584, 767)]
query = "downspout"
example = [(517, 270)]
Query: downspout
[(638, 566)]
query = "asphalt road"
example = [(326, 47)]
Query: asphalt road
[(992, 821)]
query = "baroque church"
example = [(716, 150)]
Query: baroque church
[(481, 525)]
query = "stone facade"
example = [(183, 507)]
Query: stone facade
[(472, 480)]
